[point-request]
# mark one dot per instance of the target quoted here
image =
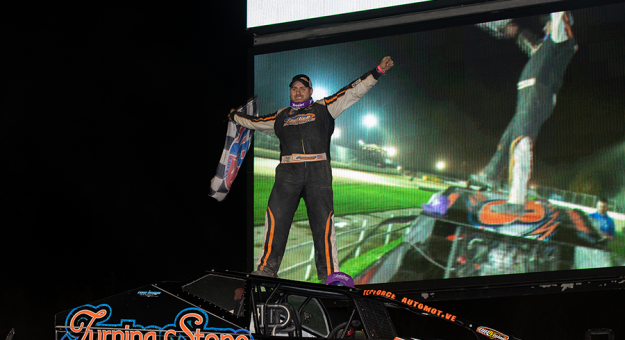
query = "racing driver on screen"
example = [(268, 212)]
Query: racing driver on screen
[(304, 130), (540, 81)]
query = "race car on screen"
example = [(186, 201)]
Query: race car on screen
[(458, 234), (225, 305)]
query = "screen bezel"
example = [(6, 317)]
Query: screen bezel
[(360, 15), (471, 287)]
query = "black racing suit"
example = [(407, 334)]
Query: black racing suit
[(540, 81), (305, 171)]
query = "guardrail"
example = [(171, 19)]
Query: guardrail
[(355, 247)]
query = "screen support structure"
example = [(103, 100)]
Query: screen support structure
[(396, 20)]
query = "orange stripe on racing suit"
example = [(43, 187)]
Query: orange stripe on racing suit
[(272, 225)]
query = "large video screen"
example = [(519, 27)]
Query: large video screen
[(539, 101), (265, 12)]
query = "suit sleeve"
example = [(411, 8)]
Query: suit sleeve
[(262, 124), (351, 93)]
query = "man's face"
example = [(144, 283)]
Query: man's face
[(300, 93), (602, 207)]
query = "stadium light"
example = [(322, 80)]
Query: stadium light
[(390, 151), (370, 121), (336, 134), (319, 92), (440, 165)]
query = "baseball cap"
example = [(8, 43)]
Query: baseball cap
[(304, 79)]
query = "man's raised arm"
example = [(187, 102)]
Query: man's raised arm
[(351, 93), (262, 124)]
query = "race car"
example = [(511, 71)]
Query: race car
[(459, 235), (224, 305)]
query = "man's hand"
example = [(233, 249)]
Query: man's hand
[(386, 64), (231, 114)]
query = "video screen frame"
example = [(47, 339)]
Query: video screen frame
[(583, 203), (265, 13)]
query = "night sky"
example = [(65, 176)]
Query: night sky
[(453, 92), (112, 126)]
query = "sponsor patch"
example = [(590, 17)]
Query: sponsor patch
[(526, 83), (300, 119), (356, 82), (298, 158)]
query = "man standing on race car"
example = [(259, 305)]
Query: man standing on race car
[(304, 131), (538, 85)]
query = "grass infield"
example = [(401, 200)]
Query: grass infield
[(349, 198)]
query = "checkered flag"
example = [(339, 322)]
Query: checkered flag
[(238, 140)]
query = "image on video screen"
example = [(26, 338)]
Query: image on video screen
[(486, 149)]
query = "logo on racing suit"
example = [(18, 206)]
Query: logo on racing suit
[(491, 333), (356, 82), (300, 119), (308, 158)]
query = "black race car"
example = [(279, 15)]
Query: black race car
[(458, 235), (222, 305)]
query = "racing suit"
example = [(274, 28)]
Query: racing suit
[(305, 172), (538, 85)]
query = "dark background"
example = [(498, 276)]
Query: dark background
[(112, 126)]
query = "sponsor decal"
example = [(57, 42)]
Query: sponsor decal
[(89, 322), (540, 221), (342, 276), (149, 293), (491, 333), (411, 303), (378, 292), (300, 119), (536, 212), (428, 309)]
